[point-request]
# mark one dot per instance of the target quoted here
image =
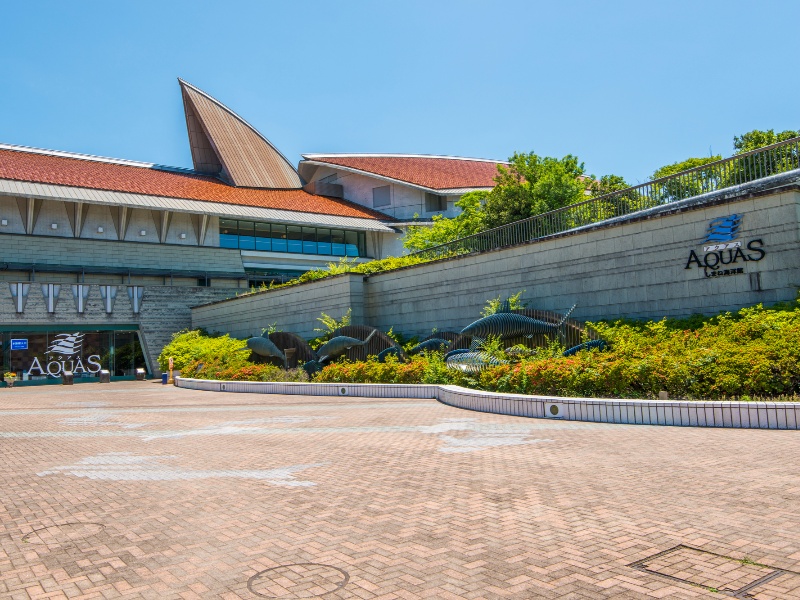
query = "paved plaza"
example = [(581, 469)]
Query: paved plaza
[(137, 490)]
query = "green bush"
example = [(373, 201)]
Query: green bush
[(754, 352), (193, 346), (247, 372)]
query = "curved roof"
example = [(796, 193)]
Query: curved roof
[(437, 173), (225, 145), (81, 171)]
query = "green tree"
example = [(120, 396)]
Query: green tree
[(613, 206), (444, 230), (691, 184), (532, 185), (753, 140)]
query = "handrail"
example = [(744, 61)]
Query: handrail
[(727, 172)]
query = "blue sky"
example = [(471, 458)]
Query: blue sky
[(626, 86)]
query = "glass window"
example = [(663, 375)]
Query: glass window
[(294, 233), (381, 196), (279, 238), (247, 240), (263, 241), (351, 243), (228, 233), (324, 241), (309, 240), (362, 243), (435, 202), (337, 242)]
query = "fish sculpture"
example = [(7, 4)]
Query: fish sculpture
[(511, 325), (312, 367), (339, 345), (458, 351), (391, 351), (591, 344), (431, 345), (473, 362), (263, 346)]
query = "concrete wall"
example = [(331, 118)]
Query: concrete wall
[(406, 201), (635, 268), (44, 250), (55, 212), (294, 309)]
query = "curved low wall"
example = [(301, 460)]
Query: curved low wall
[(747, 415)]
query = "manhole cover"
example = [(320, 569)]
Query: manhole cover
[(55, 535), (300, 580)]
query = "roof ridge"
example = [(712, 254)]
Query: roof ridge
[(95, 158), (315, 156)]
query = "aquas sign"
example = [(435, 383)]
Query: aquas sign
[(64, 354), (723, 252)]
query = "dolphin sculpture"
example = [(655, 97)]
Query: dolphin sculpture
[(339, 345), (599, 344), (391, 351), (511, 325), (263, 346), (431, 345), (472, 362)]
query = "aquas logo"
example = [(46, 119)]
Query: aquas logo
[(66, 344), (724, 229), (722, 249), (65, 353)]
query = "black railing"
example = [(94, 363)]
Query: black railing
[(729, 172)]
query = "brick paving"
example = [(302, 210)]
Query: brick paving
[(137, 490)]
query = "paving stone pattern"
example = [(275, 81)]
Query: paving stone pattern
[(137, 490)]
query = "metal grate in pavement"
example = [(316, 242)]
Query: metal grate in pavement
[(64, 533), (298, 580), (737, 578)]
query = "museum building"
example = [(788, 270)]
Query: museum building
[(102, 259)]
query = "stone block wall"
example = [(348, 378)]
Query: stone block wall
[(294, 308), (635, 268)]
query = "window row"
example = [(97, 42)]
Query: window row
[(273, 237)]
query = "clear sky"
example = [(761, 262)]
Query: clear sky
[(626, 86)]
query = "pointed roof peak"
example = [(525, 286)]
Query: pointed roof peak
[(225, 145)]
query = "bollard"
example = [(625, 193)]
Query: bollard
[(291, 358), (67, 378), (105, 376), (140, 374), (662, 395)]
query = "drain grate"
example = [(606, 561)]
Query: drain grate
[(299, 580), (65, 533), (719, 573)]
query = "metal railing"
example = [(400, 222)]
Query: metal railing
[(736, 170)]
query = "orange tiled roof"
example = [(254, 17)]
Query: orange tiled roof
[(73, 172), (434, 172)]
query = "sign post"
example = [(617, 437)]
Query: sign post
[(171, 378)]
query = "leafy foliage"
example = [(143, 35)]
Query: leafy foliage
[(443, 230), (190, 346), (532, 185), (753, 140), (754, 352), (493, 305)]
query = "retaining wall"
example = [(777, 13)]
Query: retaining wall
[(634, 267), (741, 415)]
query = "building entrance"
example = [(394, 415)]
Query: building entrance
[(42, 354)]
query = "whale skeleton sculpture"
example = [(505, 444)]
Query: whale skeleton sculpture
[(503, 324)]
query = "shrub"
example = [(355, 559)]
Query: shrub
[(191, 346)]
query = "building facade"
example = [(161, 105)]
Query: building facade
[(101, 259)]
